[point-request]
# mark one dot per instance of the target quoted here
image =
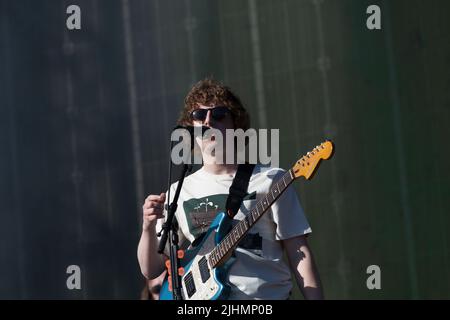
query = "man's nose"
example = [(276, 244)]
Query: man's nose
[(208, 120)]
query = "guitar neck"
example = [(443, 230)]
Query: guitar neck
[(238, 232)]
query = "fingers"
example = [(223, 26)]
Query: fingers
[(154, 211), (155, 200), (153, 207), (153, 204), (154, 197)]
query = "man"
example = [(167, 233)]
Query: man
[(259, 271)]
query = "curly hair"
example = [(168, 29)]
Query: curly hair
[(209, 92)]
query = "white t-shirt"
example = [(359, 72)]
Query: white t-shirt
[(259, 271)]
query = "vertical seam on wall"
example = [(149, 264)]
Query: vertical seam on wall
[(401, 162), (323, 64), (134, 117), (190, 24), (15, 170), (257, 64)]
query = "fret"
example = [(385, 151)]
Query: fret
[(270, 196), (284, 181), (262, 207), (266, 197), (242, 227), (291, 174), (255, 215), (227, 243), (215, 256), (250, 218), (230, 241), (238, 227), (245, 222), (265, 202), (248, 223), (277, 189)]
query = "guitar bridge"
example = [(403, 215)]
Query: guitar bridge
[(189, 284), (204, 269)]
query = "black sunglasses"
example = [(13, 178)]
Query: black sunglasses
[(217, 113)]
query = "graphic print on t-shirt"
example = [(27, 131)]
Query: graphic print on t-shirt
[(200, 212)]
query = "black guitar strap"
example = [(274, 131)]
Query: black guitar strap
[(238, 188)]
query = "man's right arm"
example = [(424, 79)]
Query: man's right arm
[(150, 261)]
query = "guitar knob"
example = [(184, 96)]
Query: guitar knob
[(168, 266), (180, 254), (181, 271)]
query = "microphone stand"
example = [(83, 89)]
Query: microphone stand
[(169, 229)]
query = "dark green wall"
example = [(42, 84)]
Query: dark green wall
[(85, 116)]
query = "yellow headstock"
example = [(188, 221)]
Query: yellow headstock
[(307, 164)]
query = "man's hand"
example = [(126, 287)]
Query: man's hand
[(151, 263), (152, 210)]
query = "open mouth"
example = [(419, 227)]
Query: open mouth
[(209, 136)]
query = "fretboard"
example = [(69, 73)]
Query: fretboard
[(242, 227)]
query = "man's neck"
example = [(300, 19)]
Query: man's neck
[(220, 168)]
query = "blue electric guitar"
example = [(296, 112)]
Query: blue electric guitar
[(206, 266)]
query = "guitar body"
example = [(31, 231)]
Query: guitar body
[(200, 281)]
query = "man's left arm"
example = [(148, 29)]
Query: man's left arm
[(302, 265)]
